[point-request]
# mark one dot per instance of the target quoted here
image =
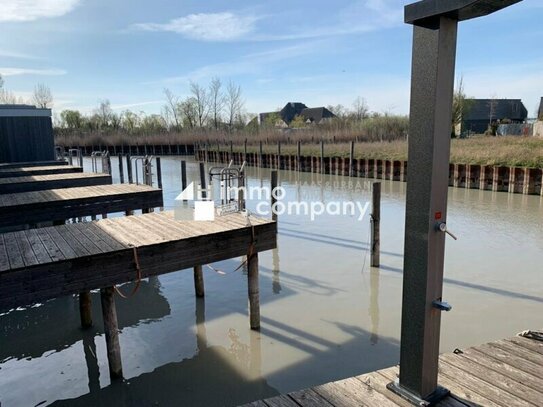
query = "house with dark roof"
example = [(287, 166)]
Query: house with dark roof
[(483, 112), (286, 115)]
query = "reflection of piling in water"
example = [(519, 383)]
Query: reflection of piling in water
[(201, 333), (93, 371), (276, 283), (374, 305)]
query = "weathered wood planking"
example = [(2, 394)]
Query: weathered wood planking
[(38, 170), (52, 181), (32, 164), (505, 373), (39, 264), (60, 204)]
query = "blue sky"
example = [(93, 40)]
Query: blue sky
[(317, 52)]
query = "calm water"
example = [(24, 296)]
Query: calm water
[(326, 314)]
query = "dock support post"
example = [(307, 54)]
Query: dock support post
[(111, 331), (129, 169), (375, 224), (199, 281), (322, 156), (183, 175), (351, 158), (260, 154), (203, 180), (159, 173), (254, 295), (298, 156), (85, 309), (273, 194), (121, 168)]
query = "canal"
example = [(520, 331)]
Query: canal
[(326, 314)]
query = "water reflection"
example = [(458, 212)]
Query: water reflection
[(374, 305), (210, 375), (276, 282)]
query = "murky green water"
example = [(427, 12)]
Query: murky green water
[(326, 314)]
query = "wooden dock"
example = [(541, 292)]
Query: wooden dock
[(27, 208), (52, 181), (39, 264), (38, 170), (32, 164), (505, 373)]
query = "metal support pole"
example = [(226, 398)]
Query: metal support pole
[(375, 224), (158, 173), (183, 175), (121, 168), (203, 180), (129, 169)]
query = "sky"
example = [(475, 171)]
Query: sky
[(316, 52)]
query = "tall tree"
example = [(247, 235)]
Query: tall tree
[(42, 96), (233, 102), (104, 113), (189, 111), (201, 98), (461, 106), (216, 100), (172, 108), (72, 119), (360, 109)]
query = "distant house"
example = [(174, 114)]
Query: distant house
[(482, 112), (316, 115), (540, 111)]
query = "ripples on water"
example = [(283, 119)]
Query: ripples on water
[(326, 314)]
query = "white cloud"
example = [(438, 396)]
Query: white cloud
[(30, 71), (30, 10), (18, 55), (225, 26)]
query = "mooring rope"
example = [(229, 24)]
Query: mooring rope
[(138, 276), (536, 335)]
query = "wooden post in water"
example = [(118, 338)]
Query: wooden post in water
[(183, 175), (111, 330), (231, 150), (85, 309), (278, 155), (199, 281), (245, 150), (272, 191), (203, 180), (80, 157), (322, 156), (121, 168), (159, 173), (129, 169), (351, 158), (375, 224), (260, 155), (298, 156), (254, 295)]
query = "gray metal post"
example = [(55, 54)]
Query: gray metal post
[(432, 82)]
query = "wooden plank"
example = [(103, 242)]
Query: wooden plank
[(26, 249), (499, 380), (531, 344), (352, 392), (14, 253), (459, 392), (52, 249), (38, 170), (521, 351), (487, 390), (309, 398), (258, 403), (4, 261), (504, 368), (53, 181), (511, 359), (64, 247), (280, 401)]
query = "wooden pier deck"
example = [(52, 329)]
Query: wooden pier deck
[(39, 264), (505, 373), (32, 164), (52, 181), (28, 208), (38, 170)]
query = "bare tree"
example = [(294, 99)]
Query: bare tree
[(216, 100), (172, 108), (42, 96), (201, 98), (189, 111), (460, 107), (233, 102), (360, 108), (104, 113)]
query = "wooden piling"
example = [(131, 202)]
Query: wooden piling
[(183, 175), (111, 330), (158, 173), (199, 281), (85, 309), (254, 295), (203, 180), (272, 190), (375, 224), (121, 168), (322, 156), (260, 155), (129, 169), (298, 156), (351, 157)]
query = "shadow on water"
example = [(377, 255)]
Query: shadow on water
[(207, 378), (21, 328), (465, 284)]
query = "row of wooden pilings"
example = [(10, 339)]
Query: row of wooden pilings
[(144, 149), (518, 180)]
